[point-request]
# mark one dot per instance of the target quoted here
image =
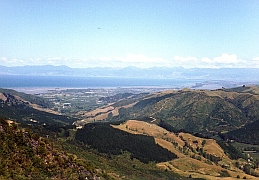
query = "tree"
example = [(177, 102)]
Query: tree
[(110, 115), (42, 148), (247, 169), (203, 142)]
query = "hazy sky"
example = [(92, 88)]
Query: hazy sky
[(142, 33)]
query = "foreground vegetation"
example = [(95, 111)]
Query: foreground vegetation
[(25, 155)]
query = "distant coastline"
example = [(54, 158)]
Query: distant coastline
[(32, 84)]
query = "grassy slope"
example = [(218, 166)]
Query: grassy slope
[(185, 165)]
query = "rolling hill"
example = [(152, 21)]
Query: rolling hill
[(27, 108), (197, 157), (199, 111), (204, 112)]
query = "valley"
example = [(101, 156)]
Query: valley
[(183, 133)]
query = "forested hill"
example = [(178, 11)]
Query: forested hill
[(25, 155), (110, 140), (247, 134), (200, 111)]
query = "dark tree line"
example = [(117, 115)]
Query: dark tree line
[(109, 140)]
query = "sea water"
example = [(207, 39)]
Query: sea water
[(17, 81)]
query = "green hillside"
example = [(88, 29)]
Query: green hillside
[(25, 155), (248, 134), (197, 111)]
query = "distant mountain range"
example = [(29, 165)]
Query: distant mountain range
[(228, 74)]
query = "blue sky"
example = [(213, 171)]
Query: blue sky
[(142, 33)]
